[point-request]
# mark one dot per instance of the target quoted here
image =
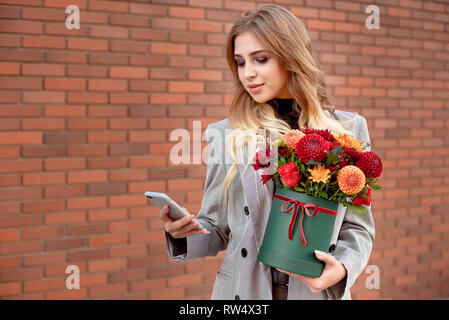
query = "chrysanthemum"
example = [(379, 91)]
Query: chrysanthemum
[(370, 164), (320, 174), (348, 141), (326, 134), (351, 180), (292, 137), (312, 147)]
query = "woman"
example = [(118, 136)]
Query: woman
[(278, 86)]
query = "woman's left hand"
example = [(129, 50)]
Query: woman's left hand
[(333, 272)]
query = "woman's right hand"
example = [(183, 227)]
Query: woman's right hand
[(180, 228)]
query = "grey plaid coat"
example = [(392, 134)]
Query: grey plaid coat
[(241, 275)]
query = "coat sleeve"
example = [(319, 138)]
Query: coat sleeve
[(212, 215), (356, 237)]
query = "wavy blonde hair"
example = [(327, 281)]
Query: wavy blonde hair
[(284, 36)]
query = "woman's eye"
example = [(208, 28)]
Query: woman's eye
[(260, 60)]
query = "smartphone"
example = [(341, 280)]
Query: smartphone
[(176, 211)]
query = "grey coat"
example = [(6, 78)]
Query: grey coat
[(242, 276)]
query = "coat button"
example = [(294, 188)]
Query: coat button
[(331, 248), (247, 211), (237, 297), (244, 253)]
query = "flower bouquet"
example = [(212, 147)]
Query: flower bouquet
[(313, 171)]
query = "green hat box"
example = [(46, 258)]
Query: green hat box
[(297, 255)]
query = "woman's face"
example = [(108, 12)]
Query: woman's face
[(258, 67)]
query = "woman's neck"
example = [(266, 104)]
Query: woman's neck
[(284, 110)]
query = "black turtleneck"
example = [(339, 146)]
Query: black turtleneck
[(284, 110)]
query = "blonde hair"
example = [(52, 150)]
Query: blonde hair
[(285, 37)]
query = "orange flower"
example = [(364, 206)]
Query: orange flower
[(351, 180), (348, 141), (292, 137), (320, 174)]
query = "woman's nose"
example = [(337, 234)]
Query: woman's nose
[(249, 72)]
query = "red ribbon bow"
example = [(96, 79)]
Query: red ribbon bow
[(305, 209)]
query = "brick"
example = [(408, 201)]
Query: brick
[(67, 294), (127, 226), (10, 289), (107, 85), (86, 203), (43, 178), (86, 97), (9, 235), (87, 44), (107, 240), (127, 200), (65, 84), (12, 26), (107, 188), (43, 124), (107, 162), (106, 136), (8, 248), (43, 42), (108, 32), (65, 218), (20, 165), (129, 98), (168, 48), (64, 164), (128, 72), (183, 12), (107, 265), (84, 124), (106, 214), (20, 138), (167, 294), (9, 69)]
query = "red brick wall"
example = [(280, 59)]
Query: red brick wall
[(86, 114)]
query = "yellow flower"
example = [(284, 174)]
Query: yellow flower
[(320, 174), (351, 180), (292, 137), (348, 141)]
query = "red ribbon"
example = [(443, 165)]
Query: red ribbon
[(305, 209)]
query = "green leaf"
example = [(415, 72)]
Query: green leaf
[(376, 187), (337, 150), (299, 189), (356, 209), (323, 194), (330, 158), (310, 162)]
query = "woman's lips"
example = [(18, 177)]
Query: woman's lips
[(256, 89)]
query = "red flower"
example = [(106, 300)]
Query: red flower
[(283, 150), (358, 201), (326, 134), (332, 167), (370, 164), (343, 162), (262, 159), (352, 154), (289, 174), (312, 147)]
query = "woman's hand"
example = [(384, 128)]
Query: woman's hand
[(180, 228), (333, 272)]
